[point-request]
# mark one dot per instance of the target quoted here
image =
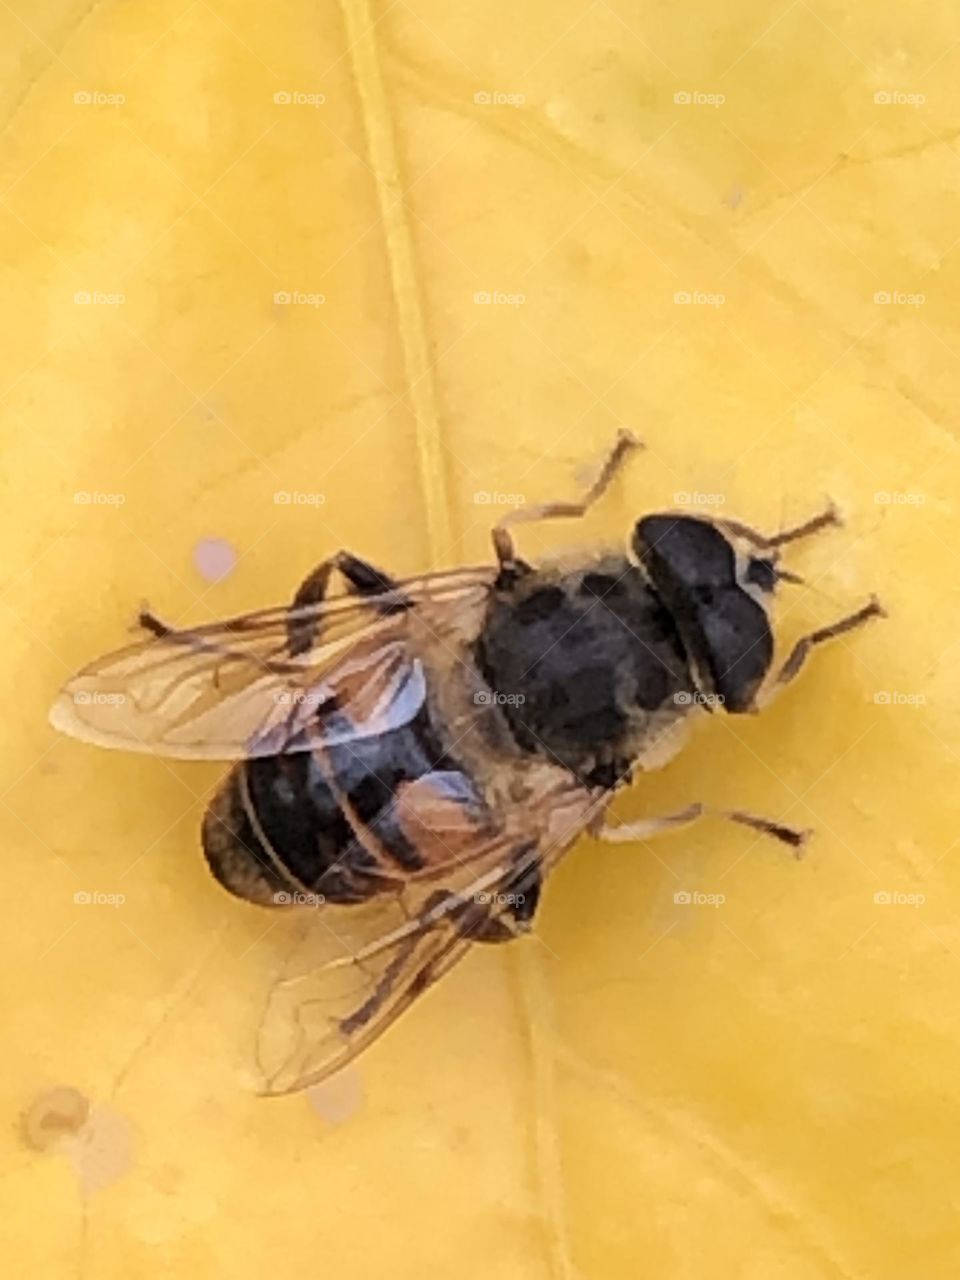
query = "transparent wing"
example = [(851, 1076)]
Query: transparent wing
[(350, 978), (235, 689), (354, 970)]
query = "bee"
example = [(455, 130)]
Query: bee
[(410, 758)]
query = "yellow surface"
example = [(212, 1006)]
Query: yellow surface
[(765, 1088)]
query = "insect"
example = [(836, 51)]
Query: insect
[(411, 758)]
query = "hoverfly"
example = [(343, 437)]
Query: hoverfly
[(411, 758)]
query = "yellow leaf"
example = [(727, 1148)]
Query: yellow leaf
[(283, 279)]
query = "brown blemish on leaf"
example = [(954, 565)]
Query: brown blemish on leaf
[(96, 1140), (57, 1114)]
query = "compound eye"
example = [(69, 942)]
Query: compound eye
[(761, 573), (681, 552)]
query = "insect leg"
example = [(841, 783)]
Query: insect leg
[(787, 835), (150, 622), (801, 650), (646, 828), (362, 577), (826, 518), (515, 905), (502, 541)]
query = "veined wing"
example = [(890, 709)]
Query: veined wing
[(234, 689), (356, 969)]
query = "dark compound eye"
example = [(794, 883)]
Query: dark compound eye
[(761, 573)]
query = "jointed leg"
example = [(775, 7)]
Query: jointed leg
[(150, 622), (515, 904), (361, 577), (646, 828), (767, 541), (826, 519), (502, 541), (801, 650)]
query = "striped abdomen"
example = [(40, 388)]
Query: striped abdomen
[(277, 825)]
